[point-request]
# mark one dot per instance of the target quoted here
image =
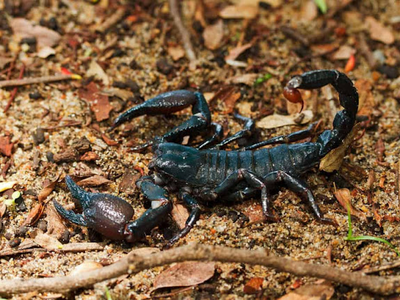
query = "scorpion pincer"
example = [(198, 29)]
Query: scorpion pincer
[(210, 174)]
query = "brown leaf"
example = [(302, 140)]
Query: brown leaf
[(235, 52), (275, 120), (378, 32), (244, 79), (230, 102), (47, 242), (253, 286), (239, 12), (333, 160), (180, 214), (95, 180), (44, 36), (176, 52), (99, 103), (47, 189), (323, 291), (128, 181), (34, 215), (344, 52), (252, 209), (213, 35), (85, 267), (6, 145), (120, 93), (185, 274), (3, 209), (98, 72), (89, 156), (109, 141), (344, 198), (367, 101), (55, 226)]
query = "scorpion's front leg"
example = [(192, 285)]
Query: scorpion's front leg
[(170, 102)]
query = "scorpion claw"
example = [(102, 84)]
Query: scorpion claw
[(104, 213)]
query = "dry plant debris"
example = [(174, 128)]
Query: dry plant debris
[(68, 68)]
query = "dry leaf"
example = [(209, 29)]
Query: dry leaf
[(253, 286), (275, 120), (188, 273), (109, 141), (344, 198), (235, 52), (213, 35), (323, 291), (89, 156), (128, 181), (378, 32), (367, 101), (333, 160), (47, 189), (252, 209), (7, 185), (6, 145), (97, 71), (239, 12), (176, 52), (44, 36), (55, 226), (3, 209), (47, 242), (46, 52), (4, 61), (120, 93), (95, 180), (99, 103), (344, 52), (230, 102), (245, 79), (34, 215), (85, 267), (180, 214)]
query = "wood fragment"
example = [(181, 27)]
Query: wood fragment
[(187, 44), (135, 262), (26, 81), (112, 20), (14, 91)]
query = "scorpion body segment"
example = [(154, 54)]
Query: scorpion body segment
[(200, 174)]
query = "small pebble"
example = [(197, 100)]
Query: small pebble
[(8, 235), (119, 84), (21, 231), (379, 56), (117, 53), (38, 136), (164, 67), (35, 95), (14, 242), (133, 86), (389, 71), (134, 65), (42, 225), (53, 24), (233, 215), (65, 236), (50, 156)]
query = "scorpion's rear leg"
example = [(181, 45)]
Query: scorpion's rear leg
[(154, 216), (170, 102), (194, 216)]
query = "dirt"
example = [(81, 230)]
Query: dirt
[(56, 129)]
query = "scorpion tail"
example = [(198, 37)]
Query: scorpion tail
[(348, 96)]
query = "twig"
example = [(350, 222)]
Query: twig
[(187, 44), (14, 91), (26, 81), (112, 20), (134, 263)]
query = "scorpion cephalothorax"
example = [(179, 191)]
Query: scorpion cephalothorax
[(212, 174)]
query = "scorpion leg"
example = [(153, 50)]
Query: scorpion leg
[(217, 136), (192, 219), (154, 216), (285, 139), (298, 187), (247, 131), (170, 102)]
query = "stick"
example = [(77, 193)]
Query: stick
[(112, 20), (134, 263), (14, 91), (44, 79), (187, 44)]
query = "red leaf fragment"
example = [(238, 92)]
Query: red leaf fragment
[(188, 273), (351, 63), (34, 215), (128, 182), (47, 189), (99, 103), (109, 141), (95, 180), (253, 286), (89, 156), (6, 145)]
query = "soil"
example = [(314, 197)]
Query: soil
[(60, 128)]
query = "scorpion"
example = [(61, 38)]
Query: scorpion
[(211, 174)]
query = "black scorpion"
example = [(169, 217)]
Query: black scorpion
[(212, 174)]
